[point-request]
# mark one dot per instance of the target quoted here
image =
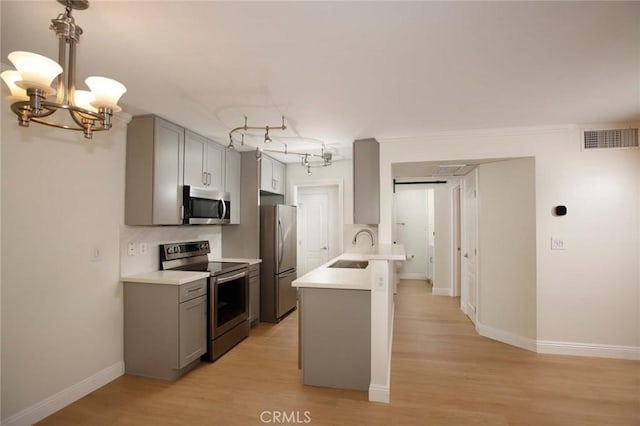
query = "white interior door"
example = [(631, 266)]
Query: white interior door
[(469, 291), (457, 241), (313, 230)]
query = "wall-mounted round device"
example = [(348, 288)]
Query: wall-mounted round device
[(560, 210)]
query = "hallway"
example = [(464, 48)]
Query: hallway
[(455, 376), (442, 373)]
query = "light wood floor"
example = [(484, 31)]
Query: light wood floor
[(443, 373)]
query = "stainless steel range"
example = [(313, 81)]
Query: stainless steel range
[(227, 296)]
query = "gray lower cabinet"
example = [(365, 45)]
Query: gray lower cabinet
[(335, 338), (165, 328), (254, 294)]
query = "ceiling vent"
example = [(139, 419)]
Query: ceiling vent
[(610, 138)]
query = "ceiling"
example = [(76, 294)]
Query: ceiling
[(340, 71)]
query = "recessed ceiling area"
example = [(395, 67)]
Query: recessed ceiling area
[(438, 169), (340, 71)]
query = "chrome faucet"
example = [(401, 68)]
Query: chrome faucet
[(366, 231)]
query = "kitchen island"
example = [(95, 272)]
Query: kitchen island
[(346, 311)]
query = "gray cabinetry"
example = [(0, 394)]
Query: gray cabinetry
[(254, 294), (366, 181), (195, 149), (272, 175), (335, 338), (215, 166), (204, 162), (232, 183), (153, 172), (165, 328)]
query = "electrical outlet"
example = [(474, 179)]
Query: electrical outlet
[(131, 249), (143, 248), (379, 282)]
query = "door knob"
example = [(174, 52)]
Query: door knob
[(466, 256)]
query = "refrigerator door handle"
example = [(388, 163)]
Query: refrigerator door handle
[(280, 244), (287, 274)]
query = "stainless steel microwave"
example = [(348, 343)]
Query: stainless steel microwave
[(205, 207)]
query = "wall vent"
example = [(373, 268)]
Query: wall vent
[(610, 139)]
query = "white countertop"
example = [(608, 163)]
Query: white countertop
[(236, 260), (166, 277), (347, 278)]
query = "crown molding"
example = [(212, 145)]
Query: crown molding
[(482, 133)]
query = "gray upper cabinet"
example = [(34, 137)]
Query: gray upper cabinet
[(154, 172), (215, 166), (204, 162), (366, 181), (232, 183), (272, 175), (161, 158), (195, 151)]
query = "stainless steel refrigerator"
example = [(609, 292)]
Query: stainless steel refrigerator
[(278, 244)]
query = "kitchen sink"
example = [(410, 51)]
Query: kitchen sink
[(352, 264)]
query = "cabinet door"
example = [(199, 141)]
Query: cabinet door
[(215, 165), (266, 173), (167, 173), (232, 183), (366, 181), (278, 177), (195, 149), (193, 330)]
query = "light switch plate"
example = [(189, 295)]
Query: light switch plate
[(558, 244)]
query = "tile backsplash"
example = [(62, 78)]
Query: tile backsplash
[(153, 236)]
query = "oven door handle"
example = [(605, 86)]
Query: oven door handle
[(231, 278)]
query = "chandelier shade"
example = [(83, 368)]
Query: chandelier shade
[(32, 97), (10, 77), (36, 71)]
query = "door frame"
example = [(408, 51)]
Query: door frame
[(340, 213)]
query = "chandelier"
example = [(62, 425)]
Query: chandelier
[(30, 84), (306, 157)]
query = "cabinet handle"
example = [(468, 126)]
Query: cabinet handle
[(209, 179), (204, 178)]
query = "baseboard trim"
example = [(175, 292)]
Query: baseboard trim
[(588, 349), (506, 337), (441, 292), (57, 401), (379, 393), (411, 276)]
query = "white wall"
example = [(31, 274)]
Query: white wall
[(156, 235), (340, 170), (62, 196), (507, 246), (589, 292), (412, 230)]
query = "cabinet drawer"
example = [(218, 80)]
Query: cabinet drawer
[(193, 289)]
